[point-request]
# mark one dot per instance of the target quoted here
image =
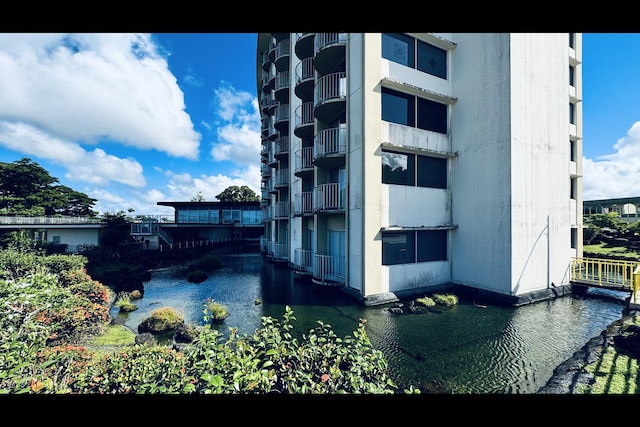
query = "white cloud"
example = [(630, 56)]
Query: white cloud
[(86, 88), (615, 175), (239, 137)]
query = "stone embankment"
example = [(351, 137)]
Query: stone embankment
[(569, 375)]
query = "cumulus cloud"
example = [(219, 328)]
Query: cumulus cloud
[(239, 134), (88, 88), (615, 175)]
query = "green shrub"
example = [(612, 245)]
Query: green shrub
[(426, 301), (214, 311), (161, 320), (445, 299)]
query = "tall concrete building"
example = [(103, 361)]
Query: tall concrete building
[(401, 164)]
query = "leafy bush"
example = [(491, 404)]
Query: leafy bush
[(161, 320), (426, 301), (214, 311), (445, 299)]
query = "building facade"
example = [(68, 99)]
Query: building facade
[(402, 163)]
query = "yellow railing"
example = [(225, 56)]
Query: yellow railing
[(636, 283), (605, 272)]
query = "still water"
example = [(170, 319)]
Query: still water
[(464, 349)]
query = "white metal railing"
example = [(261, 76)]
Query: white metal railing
[(331, 86), (328, 268), (326, 39), (304, 114), (49, 220), (282, 80), (305, 70), (282, 48), (303, 260), (281, 145), (281, 209), (330, 141), (282, 177), (303, 203), (282, 112), (329, 197), (304, 158)]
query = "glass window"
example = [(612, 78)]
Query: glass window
[(431, 245), (572, 75), (432, 116), (398, 48), (398, 247), (432, 172), (398, 168), (572, 113), (432, 60), (398, 107)]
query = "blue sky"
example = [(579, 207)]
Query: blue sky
[(134, 119)]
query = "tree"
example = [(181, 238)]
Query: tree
[(238, 194), (26, 188), (198, 198)]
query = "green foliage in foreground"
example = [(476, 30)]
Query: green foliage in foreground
[(46, 317)]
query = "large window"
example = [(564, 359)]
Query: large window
[(407, 247), (404, 50), (413, 169), (409, 110)]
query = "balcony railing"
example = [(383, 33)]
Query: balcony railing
[(331, 86), (304, 159), (281, 210), (48, 220), (328, 268), (328, 197), (282, 178), (330, 142), (303, 203), (303, 260)]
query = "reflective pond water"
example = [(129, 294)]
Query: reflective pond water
[(465, 349)]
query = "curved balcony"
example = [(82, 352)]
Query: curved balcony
[(266, 62), (303, 261), (330, 96), (282, 84), (264, 128), (264, 152), (330, 51), (303, 166), (304, 120), (304, 45), (330, 147), (282, 54), (265, 170), (267, 100), (281, 179), (329, 197), (281, 210), (303, 204), (305, 76), (328, 270), (272, 161), (266, 82), (281, 147), (281, 118)]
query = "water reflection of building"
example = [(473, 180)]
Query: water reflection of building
[(402, 162)]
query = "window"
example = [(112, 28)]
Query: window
[(413, 169), (432, 60), (573, 189), (572, 113), (407, 247), (398, 48), (572, 75), (572, 150), (404, 49), (574, 238), (400, 108), (572, 40), (431, 245)]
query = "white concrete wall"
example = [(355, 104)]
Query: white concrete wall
[(510, 183), (481, 173), (75, 237)]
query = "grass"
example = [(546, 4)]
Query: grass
[(604, 249), (113, 338)]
